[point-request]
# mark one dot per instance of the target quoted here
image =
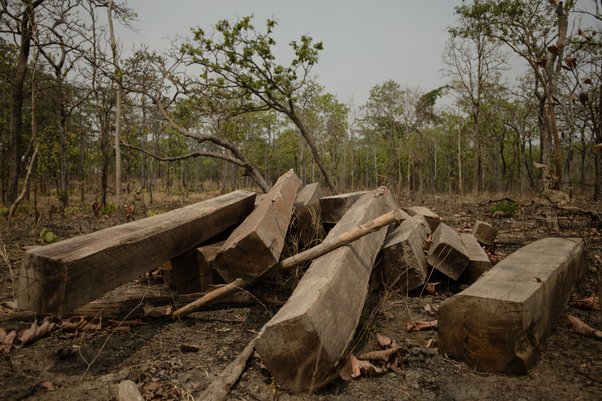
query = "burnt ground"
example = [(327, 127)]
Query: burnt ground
[(86, 364)]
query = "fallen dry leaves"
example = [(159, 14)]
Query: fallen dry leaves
[(35, 332), (580, 327), (431, 288), (157, 311), (419, 325), (384, 360), (587, 303)]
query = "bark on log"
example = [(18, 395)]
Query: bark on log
[(447, 253), (58, 278), (499, 323), (334, 207), (309, 195), (304, 341), (328, 245), (257, 243)]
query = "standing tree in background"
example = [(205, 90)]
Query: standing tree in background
[(238, 61), (118, 109), (18, 20), (474, 64), (537, 32)]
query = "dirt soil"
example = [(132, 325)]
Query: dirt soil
[(176, 360)]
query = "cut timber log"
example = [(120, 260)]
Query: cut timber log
[(303, 342), (431, 217), (447, 253), (334, 207), (257, 243), (306, 228), (478, 261), (193, 270), (326, 246), (499, 323), (309, 195), (403, 256), (484, 232), (58, 278)]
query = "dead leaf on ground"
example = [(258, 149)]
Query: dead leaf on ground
[(431, 310), (384, 355), (157, 311), (47, 385), (81, 325), (7, 340), (383, 341), (35, 332), (419, 325), (431, 343), (353, 368), (587, 303), (580, 327), (430, 288)]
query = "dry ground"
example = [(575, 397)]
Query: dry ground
[(86, 365)]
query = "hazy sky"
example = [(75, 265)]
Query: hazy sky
[(365, 42)]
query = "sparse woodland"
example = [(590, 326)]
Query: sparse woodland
[(81, 117)]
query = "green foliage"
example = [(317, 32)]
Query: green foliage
[(110, 209), (47, 236), (506, 208)]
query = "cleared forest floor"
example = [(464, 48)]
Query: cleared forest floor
[(174, 360)]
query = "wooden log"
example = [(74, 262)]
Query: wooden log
[(478, 261), (58, 278), (499, 323), (484, 232), (193, 270), (431, 217), (305, 230), (256, 244), (403, 256), (447, 253), (132, 307), (334, 207), (303, 342), (128, 391), (328, 245), (309, 195)]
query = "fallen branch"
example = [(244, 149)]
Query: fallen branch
[(220, 387), (312, 253)]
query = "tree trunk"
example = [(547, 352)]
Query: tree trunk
[(309, 138), (118, 76), (17, 97)]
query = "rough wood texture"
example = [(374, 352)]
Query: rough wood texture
[(478, 261), (447, 253), (303, 342), (484, 232), (193, 270), (403, 256), (58, 278), (309, 195), (431, 217), (499, 323), (306, 228), (257, 243), (334, 207), (326, 246), (128, 391)]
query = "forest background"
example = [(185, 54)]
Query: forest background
[(84, 120)]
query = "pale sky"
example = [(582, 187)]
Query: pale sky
[(365, 42)]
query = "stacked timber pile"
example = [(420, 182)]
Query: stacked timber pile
[(497, 323)]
